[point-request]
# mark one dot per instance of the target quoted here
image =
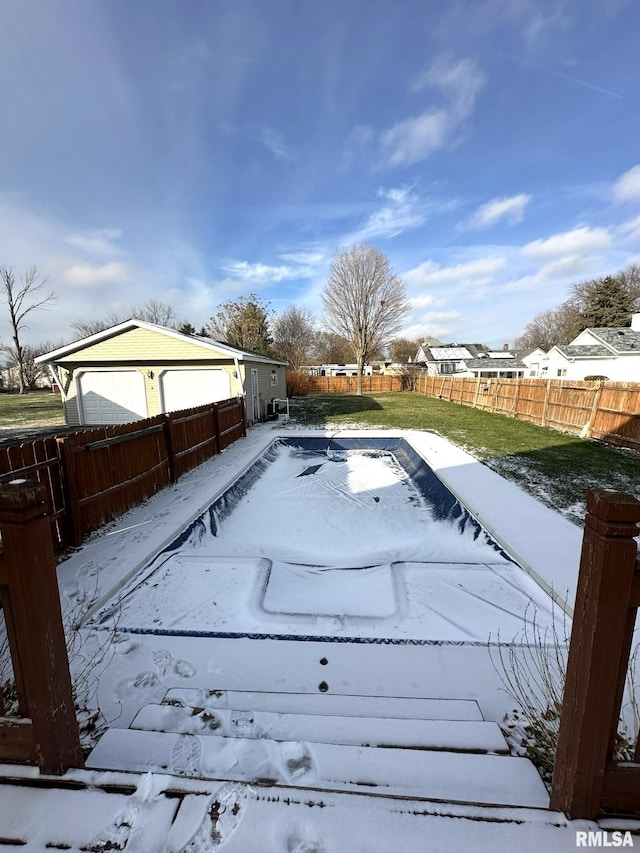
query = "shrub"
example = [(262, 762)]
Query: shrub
[(409, 375), (532, 670), (299, 384)]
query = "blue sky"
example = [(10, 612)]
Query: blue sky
[(194, 152)]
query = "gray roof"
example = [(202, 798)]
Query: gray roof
[(454, 352), (494, 364), (621, 340), (585, 350)]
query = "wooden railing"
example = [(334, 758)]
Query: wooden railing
[(93, 475), (586, 779), (46, 732)]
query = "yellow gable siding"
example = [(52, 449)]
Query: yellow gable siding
[(140, 345)]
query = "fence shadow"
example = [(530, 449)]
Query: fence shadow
[(323, 409)]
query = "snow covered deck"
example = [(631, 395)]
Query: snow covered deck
[(359, 700)]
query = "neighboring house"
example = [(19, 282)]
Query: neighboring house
[(337, 370), (535, 362), (503, 365), (610, 353), (449, 359), (136, 370)]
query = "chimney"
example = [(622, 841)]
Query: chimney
[(635, 322), (505, 348)]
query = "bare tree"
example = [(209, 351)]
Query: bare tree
[(245, 323), (364, 302), (154, 311), (329, 348), (293, 333), (550, 328), (23, 298), (403, 350), (86, 328), (34, 375)]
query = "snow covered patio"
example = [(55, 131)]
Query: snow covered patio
[(252, 681)]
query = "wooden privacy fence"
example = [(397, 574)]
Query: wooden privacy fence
[(347, 384), (586, 779), (94, 475), (609, 411), (46, 730)]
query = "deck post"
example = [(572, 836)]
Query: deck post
[(598, 653), (37, 635)]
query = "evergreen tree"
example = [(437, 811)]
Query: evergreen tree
[(608, 305)]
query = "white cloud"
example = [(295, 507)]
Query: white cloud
[(568, 267), (417, 137), (306, 258), (510, 208), (99, 242), (422, 301), (579, 240), (435, 324), (630, 230), (627, 187), (428, 273), (263, 273), (402, 210), (275, 143), (95, 274)]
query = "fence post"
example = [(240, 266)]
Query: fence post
[(70, 489), (244, 420), (216, 427), (587, 429), (170, 444), (29, 570), (598, 653), (516, 399), (545, 407)]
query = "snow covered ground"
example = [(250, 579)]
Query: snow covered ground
[(468, 592)]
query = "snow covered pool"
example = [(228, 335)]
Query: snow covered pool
[(349, 540)]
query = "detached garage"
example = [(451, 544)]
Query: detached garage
[(136, 370)]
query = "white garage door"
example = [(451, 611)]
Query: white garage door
[(112, 396), (184, 389)]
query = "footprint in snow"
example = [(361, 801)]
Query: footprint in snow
[(298, 759), (123, 644), (221, 819), (186, 755), (146, 686), (161, 660), (302, 842), (184, 669)]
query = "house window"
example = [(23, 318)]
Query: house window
[(274, 377), (562, 371), (447, 367)]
